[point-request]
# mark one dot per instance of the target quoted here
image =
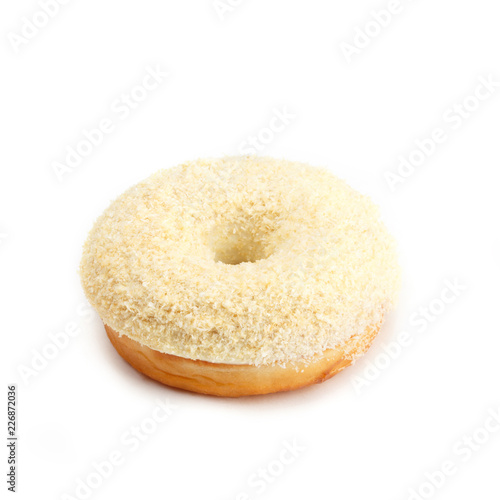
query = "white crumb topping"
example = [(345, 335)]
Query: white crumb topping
[(240, 260)]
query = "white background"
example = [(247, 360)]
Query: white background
[(226, 76)]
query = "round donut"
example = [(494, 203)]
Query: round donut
[(241, 275)]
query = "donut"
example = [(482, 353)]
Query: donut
[(240, 275)]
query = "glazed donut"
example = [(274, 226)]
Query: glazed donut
[(241, 275)]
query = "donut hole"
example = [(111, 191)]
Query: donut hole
[(233, 244)]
